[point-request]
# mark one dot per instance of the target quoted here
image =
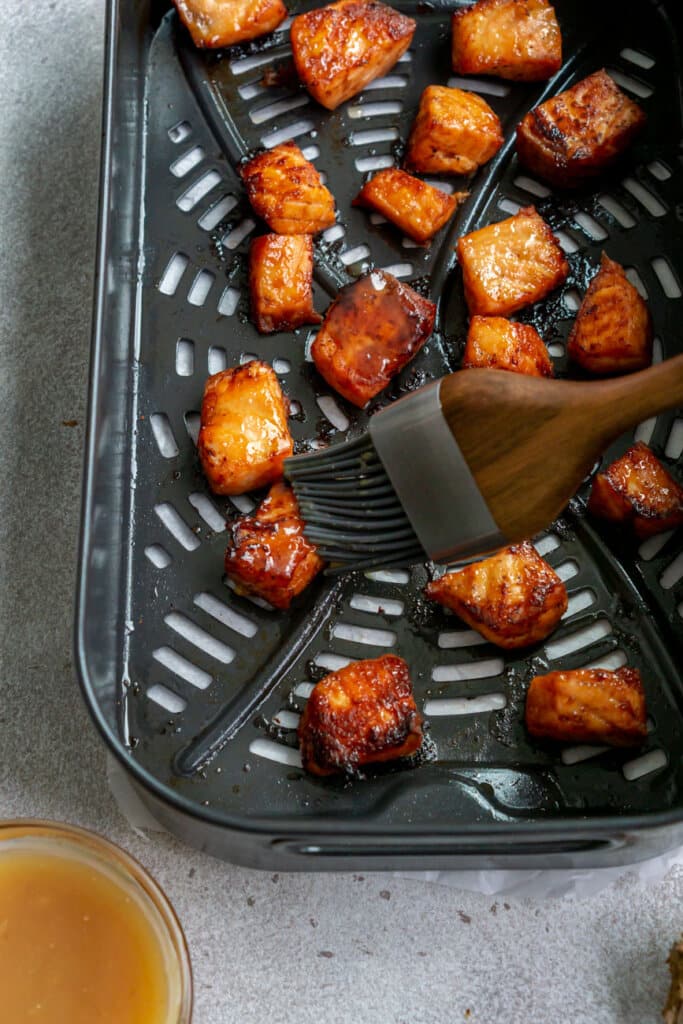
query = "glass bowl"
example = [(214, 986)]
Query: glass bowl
[(25, 836)]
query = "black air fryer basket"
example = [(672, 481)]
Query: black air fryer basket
[(198, 691)]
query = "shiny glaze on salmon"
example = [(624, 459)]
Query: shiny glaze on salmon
[(513, 598), (372, 329), (268, 555), (362, 714), (588, 706)]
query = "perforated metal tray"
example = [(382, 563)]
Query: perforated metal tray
[(197, 690)]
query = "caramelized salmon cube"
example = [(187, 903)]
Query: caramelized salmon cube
[(243, 436), (499, 344), (454, 132), (513, 598), (588, 705), (578, 133), (508, 265), (285, 190), (372, 329), (342, 47), (281, 282), (418, 209), (213, 23), (638, 491), (612, 332), (517, 39), (361, 714), (268, 555)]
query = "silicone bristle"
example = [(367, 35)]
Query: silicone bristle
[(350, 509)]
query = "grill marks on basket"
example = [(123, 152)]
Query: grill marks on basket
[(463, 685)]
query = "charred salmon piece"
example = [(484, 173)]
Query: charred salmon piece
[(361, 714), (285, 190), (418, 209), (281, 282), (454, 132), (372, 329), (639, 492), (612, 332), (243, 436), (338, 49), (516, 39), (578, 133), (510, 264), (513, 598), (499, 344), (213, 23), (588, 706), (268, 555)]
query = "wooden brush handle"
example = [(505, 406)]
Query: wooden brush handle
[(530, 441), (627, 401)]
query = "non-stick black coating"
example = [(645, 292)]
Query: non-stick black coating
[(479, 770)]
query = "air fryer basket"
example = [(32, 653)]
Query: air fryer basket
[(197, 690)]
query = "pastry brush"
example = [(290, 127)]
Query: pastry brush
[(467, 464)]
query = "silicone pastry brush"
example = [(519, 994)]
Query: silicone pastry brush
[(467, 464)]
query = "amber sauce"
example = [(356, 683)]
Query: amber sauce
[(75, 946)]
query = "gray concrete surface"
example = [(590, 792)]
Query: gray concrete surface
[(283, 949)]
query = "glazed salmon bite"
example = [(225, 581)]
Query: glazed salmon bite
[(516, 39), (372, 329), (268, 555), (244, 436), (511, 264), (588, 706), (214, 23), (637, 491), (362, 714), (340, 48), (286, 191), (513, 598), (454, 132), (579, 132), (612, 332), (499, 344), (281, 282), (415, 207)]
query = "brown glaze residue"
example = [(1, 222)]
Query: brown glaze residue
[(244, 436), (338, 49), (268, 555), (363, 713), (454, 132), (636, 490), (285, 190), (588, 706), (418, 209), (499, 344), (513, 598), (281, 282), (578, 133), (510, 264), (612, 332), (213, 23), (372, 329), (515, 39)]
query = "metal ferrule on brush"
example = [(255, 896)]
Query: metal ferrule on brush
[(400, 494)]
